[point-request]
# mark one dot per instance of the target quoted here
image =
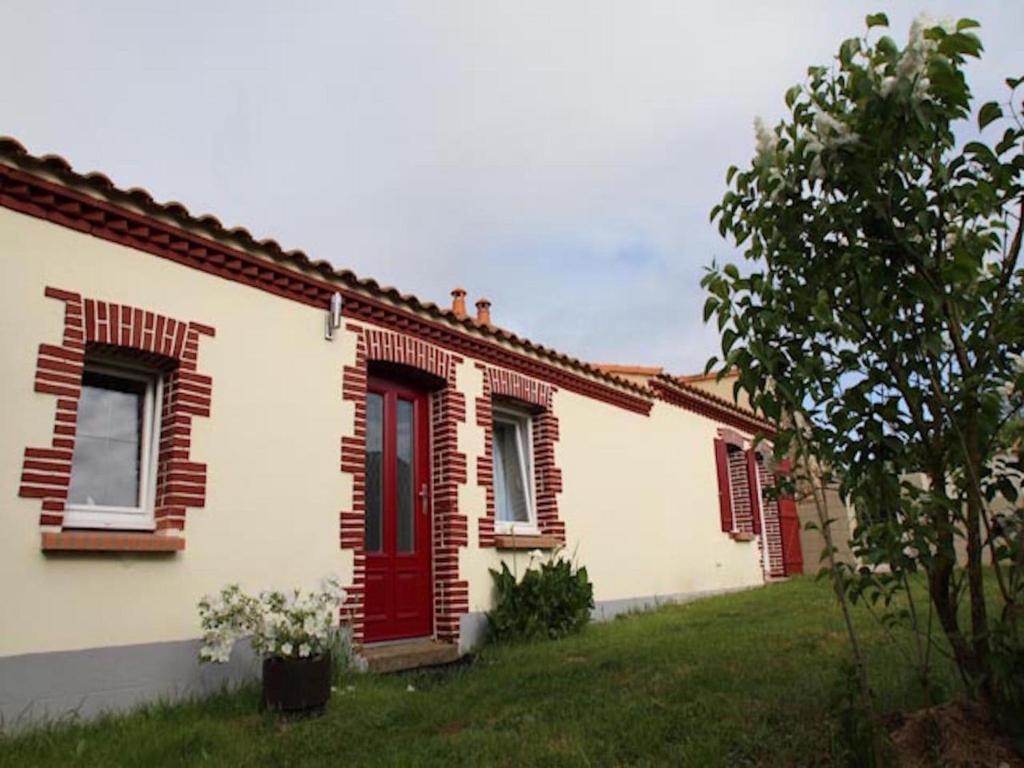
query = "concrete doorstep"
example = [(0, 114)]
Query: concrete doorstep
[(414, 654)]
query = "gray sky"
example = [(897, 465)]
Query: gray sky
[(558, 157)]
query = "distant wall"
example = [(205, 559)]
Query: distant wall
[(812, 541), (722, 389)]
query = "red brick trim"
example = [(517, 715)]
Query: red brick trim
[(755, 515), (772, 529), (99, 541), (499, 382), (307, 282), (168, 344), (448, 468), (742, 496)]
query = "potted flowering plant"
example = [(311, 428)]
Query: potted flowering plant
[(292, 631)]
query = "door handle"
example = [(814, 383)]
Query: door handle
[(424, 498)]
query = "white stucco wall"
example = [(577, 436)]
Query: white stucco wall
[(271, 446), (640, 505), (639, 502)]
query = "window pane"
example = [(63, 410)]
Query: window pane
[(406, 491), (509, 488), (108, 444), (374, 467)]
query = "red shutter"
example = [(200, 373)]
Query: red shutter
[(792, 555), (755, 501), (724, 495), (789, 519)]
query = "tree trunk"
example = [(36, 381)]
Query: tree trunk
[(975, 578), (940, 582)]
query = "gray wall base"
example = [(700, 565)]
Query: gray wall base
[(473, 626), (38, 688)]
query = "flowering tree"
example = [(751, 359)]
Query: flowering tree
[(880, 321)]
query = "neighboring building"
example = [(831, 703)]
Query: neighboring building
[(720, 386), (180, 412)]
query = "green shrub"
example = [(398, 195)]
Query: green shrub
[(553, 599)]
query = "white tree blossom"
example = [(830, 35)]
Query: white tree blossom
[(767, 141)]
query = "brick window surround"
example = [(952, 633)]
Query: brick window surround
[(746, 468), (737, 478), (448, 471), (538, 397), (772, 538), (166, 344)]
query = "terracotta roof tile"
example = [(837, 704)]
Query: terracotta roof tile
[(629, 370), (99, 185), (694, 377)]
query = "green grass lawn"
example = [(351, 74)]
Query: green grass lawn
[(742, 679)]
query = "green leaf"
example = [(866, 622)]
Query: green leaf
[(728, 339), (849, 47), (710, 306), (877, 20), (792, 94), (966, 44), (887, 46), (989, 112), (966, 24), (1013, 82)]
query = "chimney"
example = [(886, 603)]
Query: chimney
[(483, 312), (459, 302)]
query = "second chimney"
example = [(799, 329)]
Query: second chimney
[(459, 303), (483, 312)]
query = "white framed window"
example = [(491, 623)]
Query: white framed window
[(117, 438), (513, 471)]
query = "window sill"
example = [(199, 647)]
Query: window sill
[(525, 541), (741, 536), (100, 541)]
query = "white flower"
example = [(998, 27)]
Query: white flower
[(767, 141), (832, 132), (277, 621), (536, 554), (331, 588), (912, 66), (409, 688)]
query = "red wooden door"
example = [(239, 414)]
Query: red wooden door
[(792, 556), (399, 588)]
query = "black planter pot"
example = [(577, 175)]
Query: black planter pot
[(296, 685)]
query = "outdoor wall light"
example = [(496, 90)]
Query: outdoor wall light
[(332, 320)]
